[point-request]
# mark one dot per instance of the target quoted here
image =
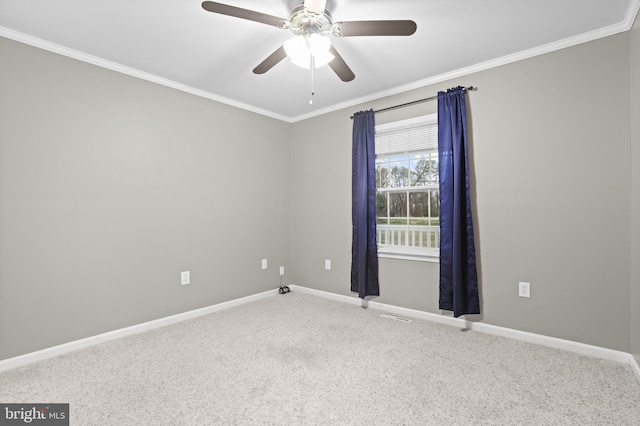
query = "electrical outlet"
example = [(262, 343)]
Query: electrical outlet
[(264, 263), (524, 289), (282, 270), (185, 278), (327, 264)]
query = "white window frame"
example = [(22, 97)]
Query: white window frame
[(404, 252)]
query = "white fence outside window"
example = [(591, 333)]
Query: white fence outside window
[(409, 235)]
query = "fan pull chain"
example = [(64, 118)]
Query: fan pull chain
[(311, 67)]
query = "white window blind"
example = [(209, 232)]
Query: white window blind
[(420, 137)]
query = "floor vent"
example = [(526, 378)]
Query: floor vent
[(394, 317)]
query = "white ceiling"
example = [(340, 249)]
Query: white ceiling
[(179, 44)]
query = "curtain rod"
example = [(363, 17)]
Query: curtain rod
[(419, 101)]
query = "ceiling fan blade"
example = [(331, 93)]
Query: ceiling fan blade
[(315, 6), (238, 12), (340, 67), (375, 28), (271, 61)]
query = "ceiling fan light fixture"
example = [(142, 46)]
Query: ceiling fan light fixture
[(296, 47), (308, 21), (300, 48), (319, 44), (322, 58)]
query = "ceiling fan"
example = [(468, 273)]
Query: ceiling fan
[(311, 25)]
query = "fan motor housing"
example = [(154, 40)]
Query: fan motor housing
[(303, 22)]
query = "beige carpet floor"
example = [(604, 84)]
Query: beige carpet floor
[(297, 359)]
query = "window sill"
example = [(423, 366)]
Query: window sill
[(408, 254)]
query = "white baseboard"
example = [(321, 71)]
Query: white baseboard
[(568, 345), (43, 354), (633, 363), (596, 351)]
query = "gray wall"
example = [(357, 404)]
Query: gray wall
[(635, 189), (110, 186), (550, 152)]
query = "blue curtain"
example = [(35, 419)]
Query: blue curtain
[(364, 251), (458, 275)]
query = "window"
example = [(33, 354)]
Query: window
[(408, 203)]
